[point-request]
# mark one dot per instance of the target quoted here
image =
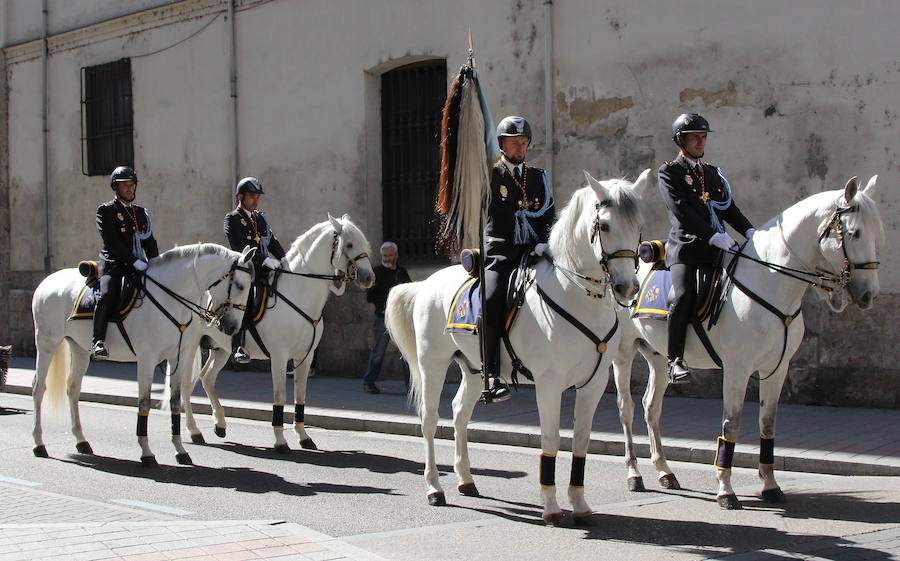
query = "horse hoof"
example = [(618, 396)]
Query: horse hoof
[(468, 489), (729, 502), (220, 431), (84, 448), (636, 484), (437, 499), (184, 459), (149, 461), (773, 495), (583, 518), (283, 449), (308, 444), (555, 519), (198, 438), (668, 481), (40, 451)]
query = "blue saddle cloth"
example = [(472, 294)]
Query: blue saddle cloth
[(653, 297), (464, 310), (87, 301)]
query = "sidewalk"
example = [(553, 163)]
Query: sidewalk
[(819, 439)]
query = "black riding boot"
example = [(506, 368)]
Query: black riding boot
[(497, 389)]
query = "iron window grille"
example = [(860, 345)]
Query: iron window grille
[(106, 117)]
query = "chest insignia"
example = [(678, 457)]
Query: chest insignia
[(704, 196), (243, 222), (504, 192), (688, 179), (120, 217), (123, 229)]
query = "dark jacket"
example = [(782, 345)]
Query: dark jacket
[(385, 280), (505, 196), (117, 225), (689, 216), (242, 231)]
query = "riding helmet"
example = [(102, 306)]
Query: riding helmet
[(120, 174), (249, 185), (513, 126), (689, 122)]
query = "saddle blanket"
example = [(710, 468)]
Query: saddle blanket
[(465, 309), (653, 297), (87, 301)]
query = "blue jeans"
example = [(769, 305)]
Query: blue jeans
[(376, 357)]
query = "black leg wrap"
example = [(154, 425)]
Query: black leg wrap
[(278, 415), (142, 425), (766, 450), (176, 424), (548, 471), (724, 453), (298, 412), (577, 477)]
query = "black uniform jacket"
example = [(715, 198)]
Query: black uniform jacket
[(242, 231), (499, 232), (385, 280), (689, 236), (116, 224)]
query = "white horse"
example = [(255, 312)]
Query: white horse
[(165, 325), (834, 238), (324, 259), (560, 335)]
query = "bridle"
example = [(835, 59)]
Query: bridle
[(605, 258), (215, 316), (836, 225), (352, 270)]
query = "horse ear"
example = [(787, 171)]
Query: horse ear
[(598, 187), (641, 182), (335, 223), (346, 217), (850, 190), (871, 185), (247, 254)]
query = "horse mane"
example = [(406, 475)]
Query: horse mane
[(306, 239), (566, 233), (191, 251), (823, 204)]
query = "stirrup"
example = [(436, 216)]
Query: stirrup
[(497, 392), (240, 356), (99, 351), (678, 372)]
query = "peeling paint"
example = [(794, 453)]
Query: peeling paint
[(585, 112), (721, 98)]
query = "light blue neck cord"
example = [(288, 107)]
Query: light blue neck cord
[(713, 206), (524, 232), (137, 250), (264, 240)]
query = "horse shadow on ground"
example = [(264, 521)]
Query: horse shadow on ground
[(376, 463), (241, 479), (13, 411)]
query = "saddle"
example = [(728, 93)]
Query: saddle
[(656, 292), (87, 298)]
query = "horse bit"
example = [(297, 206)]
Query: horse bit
[(835, 224), (216, 315)]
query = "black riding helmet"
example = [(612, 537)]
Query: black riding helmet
[(120, 174), (688, 122), (513, 126), (249, 185)]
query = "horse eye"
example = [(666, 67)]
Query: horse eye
[(604, 227), (239, 286), (605, 203)]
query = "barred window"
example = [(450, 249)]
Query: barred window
[(412, 100), (106, 117)]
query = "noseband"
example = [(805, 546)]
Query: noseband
[(836, 225), (352, 270), (214, 316)]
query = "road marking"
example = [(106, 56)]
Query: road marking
[(423, 529), (24, 482), (151, 506)]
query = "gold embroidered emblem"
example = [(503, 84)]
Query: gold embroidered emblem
[(688, 180), (504, 191), (123, 229), (704, 196), (243, 222), (120, 217)]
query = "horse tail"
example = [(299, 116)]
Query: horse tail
[(57, 374), (398, 317)]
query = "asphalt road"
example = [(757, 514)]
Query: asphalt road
[(367, 489)]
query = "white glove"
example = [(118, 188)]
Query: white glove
[(540, 249), (284, 264), (270, 262), (140, 265), (749, 233), (721, 240)]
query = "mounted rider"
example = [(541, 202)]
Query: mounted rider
[(246, 226), (698, 200), (519, 217), (128, 244)]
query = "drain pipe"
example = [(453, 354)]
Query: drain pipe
[(548, 84), (45, 55), (235, 152)]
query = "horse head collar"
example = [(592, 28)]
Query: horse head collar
[(835, 226), (349, 271), (605, 258), (215, 316)]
